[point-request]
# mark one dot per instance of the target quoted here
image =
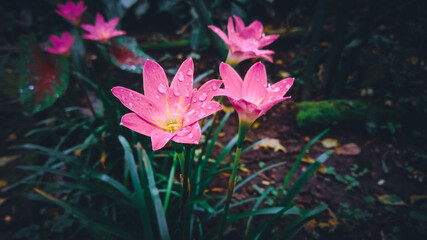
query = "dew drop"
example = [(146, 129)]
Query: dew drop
[(210, 107), (188, 84), (276, 89), (176, 92), (203, 97), (203, 104), (288, 86), (130, 94), (214, 87), (190, 72), (194, 100), (187, 94), (180, 76), (130, 104), (162, 88)]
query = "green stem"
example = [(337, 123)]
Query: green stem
[(170, 182), (185, 208), (243, 130)]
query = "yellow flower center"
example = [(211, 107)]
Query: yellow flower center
[(174, 122)]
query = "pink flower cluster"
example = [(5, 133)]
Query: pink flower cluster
[(102, 31)]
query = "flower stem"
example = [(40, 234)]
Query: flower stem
[(243, 130), (170, 182)]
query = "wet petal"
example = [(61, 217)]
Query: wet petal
[(182, 83), (200, 110), (232, 81), (267, 40), (137, 102), (156, 85), (254, 30), (159, 138), (189, 134), (209, 90), (280, 88), (137, 124), (255, 83)]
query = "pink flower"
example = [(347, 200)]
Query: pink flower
[(102, 31), (245, 42), (252, 97), (71, 12), (169, 113), (62, 45)]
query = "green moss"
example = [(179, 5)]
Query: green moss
[(330, 112)]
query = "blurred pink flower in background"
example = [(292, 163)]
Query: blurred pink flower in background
[(245, 42), (72, 12), (62, 45), (253, 97), (102, 31), (169, 113)]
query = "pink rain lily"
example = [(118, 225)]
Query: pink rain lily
[(71, 11), (245, 42), (102, 31), (253, 97), (169, 113), (62, 45)]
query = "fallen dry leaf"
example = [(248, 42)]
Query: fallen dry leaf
[(274, 144), (267, 183), (2, 200), (310, 226), (3, 183), (322, 169), (284, 74), (416, 198), (391, 200), (329, 142), (308, 159), (7, 159), (348, 149)]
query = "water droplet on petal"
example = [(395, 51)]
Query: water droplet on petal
[(176, 92), (210, 107), (130, 94), (276, 89), (203, 97), (194, 100), (190, 72), (162, 88), (180, 76), (130, 104), (31, 87), (203, 104), (187, 94), (214, 87), (288, 86), (190, 135)]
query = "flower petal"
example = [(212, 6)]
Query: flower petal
[(280, 88), (255, 83), (137, 124), (267, 40), (89, 28), (189, 134), (112, 23), (267, 106), (55, 40), (137, 103), (254, 30), (200, 110), (232, 36), (99, 21), (208, 90), (156, 85), (182, 83), (232, 81), (159, 138), (240, 25), (220, 33), (247, 111)]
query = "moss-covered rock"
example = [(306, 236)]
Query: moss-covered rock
[(331, 112)]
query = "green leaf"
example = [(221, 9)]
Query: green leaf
[(125, 54), (43, 76)]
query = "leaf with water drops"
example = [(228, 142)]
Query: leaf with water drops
[(43, 76), (126, 55)]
